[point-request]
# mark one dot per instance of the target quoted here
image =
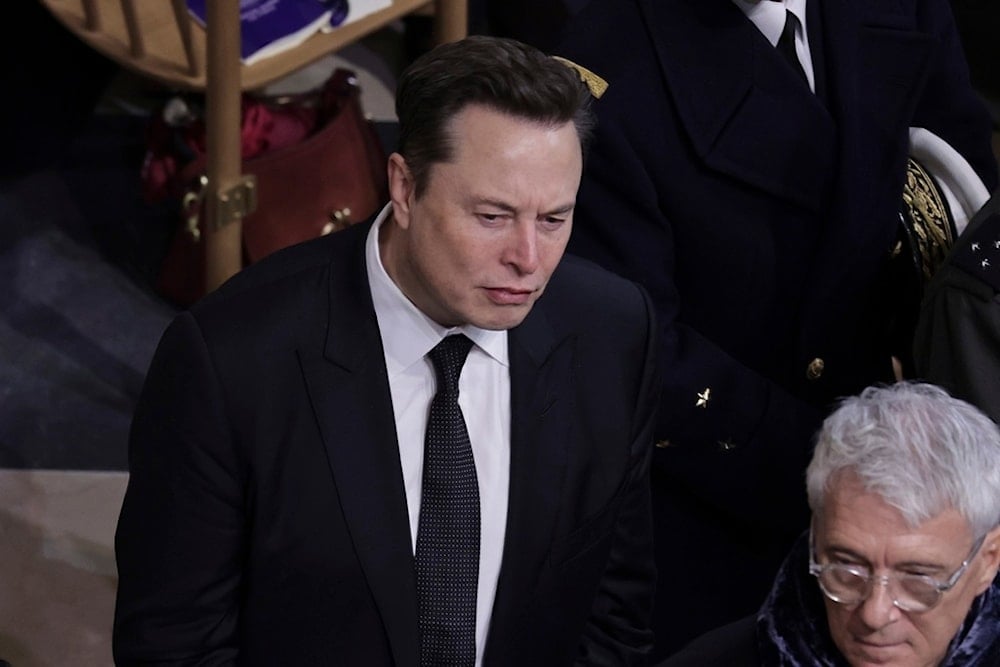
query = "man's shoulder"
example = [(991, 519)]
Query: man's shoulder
[(580, 279), (978, 250), (585, 299), (297, 269)]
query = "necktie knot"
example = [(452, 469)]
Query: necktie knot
[(448, 357)]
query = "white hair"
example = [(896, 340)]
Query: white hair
[(921, 450)]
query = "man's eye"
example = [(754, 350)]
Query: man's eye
[(917, 573), (553, 223)]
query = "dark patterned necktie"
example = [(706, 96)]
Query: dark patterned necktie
[(786, 45), (447, 554)]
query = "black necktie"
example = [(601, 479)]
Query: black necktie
[(447, 554), (786, 45)]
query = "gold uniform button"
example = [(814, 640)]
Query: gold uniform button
[(663, 444), (814, 370)]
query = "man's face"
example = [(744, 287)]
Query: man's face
[(859, 528), (480, 244)]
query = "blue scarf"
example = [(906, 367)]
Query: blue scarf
[(792, 629)]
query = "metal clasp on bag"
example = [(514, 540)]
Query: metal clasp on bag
[(191, 208), (233, 204), (237, 202), (339, 219)]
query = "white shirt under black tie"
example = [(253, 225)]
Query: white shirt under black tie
[(484, 396), (770, 15)]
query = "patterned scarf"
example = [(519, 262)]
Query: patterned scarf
[(792, 629)]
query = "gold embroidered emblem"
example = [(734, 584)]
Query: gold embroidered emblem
[(930, 228)]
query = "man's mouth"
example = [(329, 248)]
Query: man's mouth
[(509, 296)]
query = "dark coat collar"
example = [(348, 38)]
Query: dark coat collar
[(739, 101)]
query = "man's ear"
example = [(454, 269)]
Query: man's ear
[(989, 555), (401, 189)]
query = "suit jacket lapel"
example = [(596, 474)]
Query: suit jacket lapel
[(739, 102), (541, 415), (347, 382)]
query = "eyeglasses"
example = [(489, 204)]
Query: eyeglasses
[(853, 584)]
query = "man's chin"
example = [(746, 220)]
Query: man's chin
[(870, 655), (502, 319)]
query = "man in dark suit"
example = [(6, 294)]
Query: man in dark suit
[(284, 506), (755, 192)]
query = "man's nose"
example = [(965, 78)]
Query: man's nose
[(522, 248), (878, 609)]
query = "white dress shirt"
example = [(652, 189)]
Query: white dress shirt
[(484, 396), (769, 17)]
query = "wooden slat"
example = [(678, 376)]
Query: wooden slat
[(181, 18), (167, 58), (223, 244), (136, 40), (92, 15), (451, 20)]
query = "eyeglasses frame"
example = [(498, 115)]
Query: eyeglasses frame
[(870, 578)]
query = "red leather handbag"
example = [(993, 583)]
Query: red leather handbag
[(319, 166)]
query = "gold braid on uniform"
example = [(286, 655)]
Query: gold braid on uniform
[(927, 218), (596, 84)]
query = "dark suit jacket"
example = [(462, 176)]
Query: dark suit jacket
[(265, 519), (760, 217)]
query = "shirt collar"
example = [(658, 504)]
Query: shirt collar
[(769, 15), (407, 333)]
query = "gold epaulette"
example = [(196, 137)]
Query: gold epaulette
[(596, 84)]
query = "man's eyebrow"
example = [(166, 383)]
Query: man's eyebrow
[(849, 554), (920, 565), (561, 210), (495, 203), (834, 550), (503, 206)]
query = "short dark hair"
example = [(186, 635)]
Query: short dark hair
[(501, 74)]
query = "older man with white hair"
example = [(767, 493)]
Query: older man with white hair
[(900, 564)]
